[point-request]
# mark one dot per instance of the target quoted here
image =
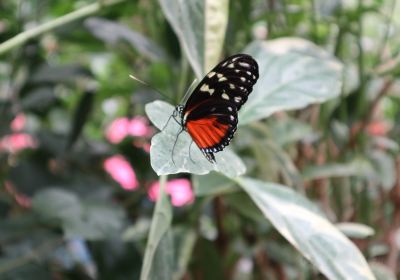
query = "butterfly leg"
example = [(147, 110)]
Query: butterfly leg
[(166, 123), (190, 156), (173, 147), (173, 115)]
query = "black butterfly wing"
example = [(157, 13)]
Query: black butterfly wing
[(231, 80), (210, 114)]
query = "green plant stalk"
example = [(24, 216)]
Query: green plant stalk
[(154, 238), (361, 98), (23, 37)]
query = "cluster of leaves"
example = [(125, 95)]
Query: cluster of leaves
[(312, 176)]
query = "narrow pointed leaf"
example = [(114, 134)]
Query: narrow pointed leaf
[(300, 222), (200, 27)]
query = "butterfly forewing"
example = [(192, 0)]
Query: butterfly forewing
[(210, 114), (231, 80)]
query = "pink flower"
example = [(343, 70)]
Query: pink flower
[(121, 171), (123, 127), (378, 128), (179, 189), (17, 141), (18, 122), (118, 130), (139, 127)]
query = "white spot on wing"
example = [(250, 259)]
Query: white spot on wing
[(222, 79), (244, 64), (231, 86), (230, 109), (225, 96), (211, 74), (205, 88), (231, 65), (238, 99), (243, 79), (219, 75)]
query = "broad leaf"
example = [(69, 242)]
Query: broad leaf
[(212, 184), (90, 221), (293, 74), (200, 27), (300, 222), (167, 159)]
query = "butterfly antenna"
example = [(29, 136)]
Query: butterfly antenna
[(151, 87), (188, 91)]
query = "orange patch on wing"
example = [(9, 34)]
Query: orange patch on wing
[(206, 133)]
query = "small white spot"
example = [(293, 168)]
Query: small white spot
[(222, 79), (243, 79), (232, 118), (254, 77), (238, 99), (248, 73), (234, 59), (219, 75), (225, 96), (241, 88), (231, 86), (244, 64), (205, 88), (225, 63), (231, 65), (237, 70), (211, 74), (230, 109)]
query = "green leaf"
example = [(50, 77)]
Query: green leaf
[(212, 184), (382, 272), (200, 26), (87, 220), (355, 230), (161, 223), (302, 224), (355, 167), (162, 146), (81, 115), (163, 262), (56, 205), (184, 242), (112, 32), (293, 74)]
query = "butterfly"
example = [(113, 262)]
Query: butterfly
[(210, 115)]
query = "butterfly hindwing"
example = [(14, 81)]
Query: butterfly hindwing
[(212, 125)]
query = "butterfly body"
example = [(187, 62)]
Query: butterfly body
[(210, 115)]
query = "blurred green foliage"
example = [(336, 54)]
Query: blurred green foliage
[(64, 217)]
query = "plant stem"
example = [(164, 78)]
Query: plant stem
[(160, 224), (39, 30)]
